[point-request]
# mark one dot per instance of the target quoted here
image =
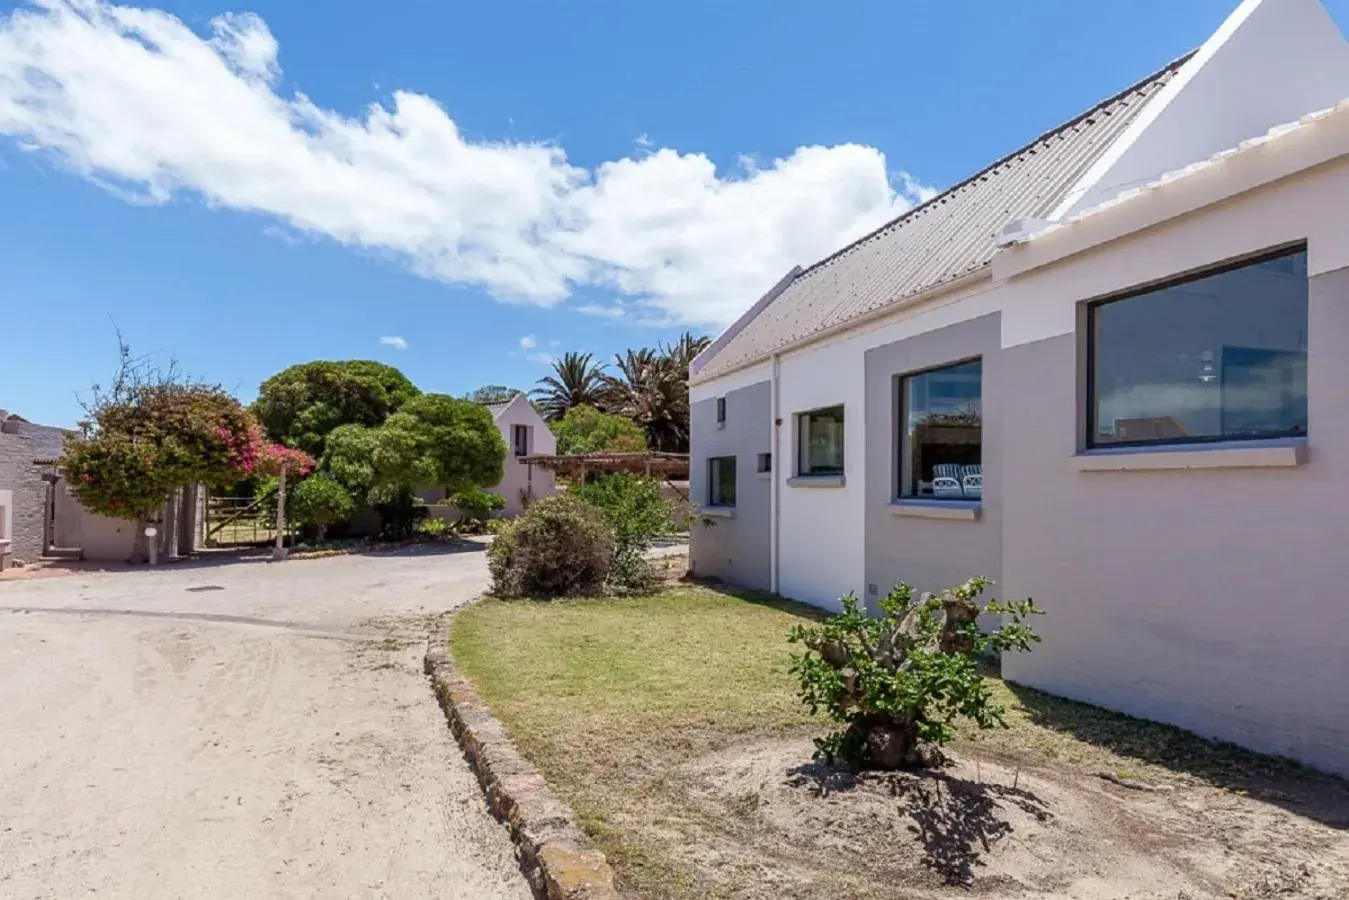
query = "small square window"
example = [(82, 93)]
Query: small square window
[(941, 433), (765, 463), (819, 436), (721, 410), (721, 481)]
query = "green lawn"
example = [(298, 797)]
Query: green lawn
[(616, 699)]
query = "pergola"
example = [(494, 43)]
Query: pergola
[(670, 466)]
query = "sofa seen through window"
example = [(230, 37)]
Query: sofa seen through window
[(941, 433)]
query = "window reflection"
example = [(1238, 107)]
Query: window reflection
[(1221, 357)]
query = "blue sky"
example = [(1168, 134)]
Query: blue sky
[(551, 177)]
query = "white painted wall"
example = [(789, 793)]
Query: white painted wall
[(1270, 63), (821, 549)]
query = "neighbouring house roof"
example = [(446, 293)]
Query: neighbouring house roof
[(949, 236)]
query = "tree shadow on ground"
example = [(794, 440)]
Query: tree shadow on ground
[(1282, 782), (957, 821)]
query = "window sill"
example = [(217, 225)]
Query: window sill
[(718, 512), (937, 509), (817, 481), (1276, 454), (764, 476)]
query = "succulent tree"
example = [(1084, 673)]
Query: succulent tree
[(899, 680)]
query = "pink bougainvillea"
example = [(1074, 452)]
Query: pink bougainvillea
[(274, 458)]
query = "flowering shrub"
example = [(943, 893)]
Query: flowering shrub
[(135, 452)]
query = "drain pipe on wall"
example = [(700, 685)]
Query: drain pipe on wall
[(776, 462)]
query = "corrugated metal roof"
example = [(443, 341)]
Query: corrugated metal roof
[(951, 235)]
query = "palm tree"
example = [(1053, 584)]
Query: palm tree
[(577, 380), (651, 387)]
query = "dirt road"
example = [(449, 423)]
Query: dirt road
[(249, 730)]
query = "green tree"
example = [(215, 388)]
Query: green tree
[(584, 429), (432, 440), (577, 380), (459, 437), (300, 406), (493, 393)]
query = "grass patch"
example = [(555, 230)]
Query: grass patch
[(632, 706)]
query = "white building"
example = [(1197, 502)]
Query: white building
[(1107, 371)]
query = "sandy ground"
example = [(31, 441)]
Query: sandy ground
[(239, 730), (984, 827)]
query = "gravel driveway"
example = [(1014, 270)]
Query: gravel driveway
[(238, 730)]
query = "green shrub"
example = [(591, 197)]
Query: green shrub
[(476, 506), (899, 680), (559, 547), (436, 527), (637, 514), (319, 502)]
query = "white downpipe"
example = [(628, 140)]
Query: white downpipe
[(777, 463)]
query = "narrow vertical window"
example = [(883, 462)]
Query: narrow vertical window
[(721, 410), (520, 439), (721, 481)]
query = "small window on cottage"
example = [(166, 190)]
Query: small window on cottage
[(765, 463), (721, 410), (721, 481), (820, 442), (941, 433), (520, 439)]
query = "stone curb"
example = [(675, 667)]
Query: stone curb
[(555, 855)]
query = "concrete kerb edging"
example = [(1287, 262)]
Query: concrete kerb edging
[(555, 855)]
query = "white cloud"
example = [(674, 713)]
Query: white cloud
[(543, 358), (137, 102), (528, 342), (603, 312), (395, 341)]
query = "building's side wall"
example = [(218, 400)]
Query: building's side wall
[(20, 444), (520, 479), (931, 554), (1205, 598), (736, 549)]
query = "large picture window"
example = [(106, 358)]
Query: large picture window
[(721, 481), (1218, 357), (820, 442), (941, 433)]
